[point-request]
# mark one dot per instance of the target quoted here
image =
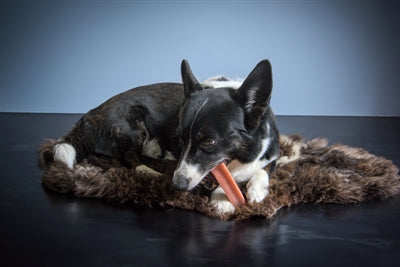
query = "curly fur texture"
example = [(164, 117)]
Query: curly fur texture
[(306, 172)]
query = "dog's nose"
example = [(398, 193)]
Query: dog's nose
[(180, 182)]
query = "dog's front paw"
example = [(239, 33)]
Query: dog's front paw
[(256, 194), (221, 202), (143, 169), (223, 207), (257, 187)]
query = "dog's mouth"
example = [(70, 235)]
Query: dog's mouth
[(209, 182)]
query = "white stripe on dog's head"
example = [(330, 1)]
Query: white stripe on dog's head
[(190, 172), (190, 132)]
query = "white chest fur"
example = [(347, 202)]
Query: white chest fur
[(242, 172)]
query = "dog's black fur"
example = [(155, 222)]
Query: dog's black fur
[(199, 125), (236, 120), (121, 125)]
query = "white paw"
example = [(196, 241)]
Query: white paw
[(143, 169), (224, 207), (151, 148), (257, 187), (255, 195), (221, 202)]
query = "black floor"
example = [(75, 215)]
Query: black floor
[(38, 228)]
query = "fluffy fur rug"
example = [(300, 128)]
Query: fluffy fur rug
[(307, 172)]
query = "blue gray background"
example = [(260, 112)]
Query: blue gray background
[(328, 57)]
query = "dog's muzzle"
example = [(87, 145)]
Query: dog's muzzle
[(180, 182)]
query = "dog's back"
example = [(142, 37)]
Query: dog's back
[(142, 120)]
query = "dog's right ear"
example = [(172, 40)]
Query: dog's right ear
[(190, 83)]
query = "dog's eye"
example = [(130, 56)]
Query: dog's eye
[(208, 142)]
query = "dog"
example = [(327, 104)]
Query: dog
[(200, 124), (228, 124)]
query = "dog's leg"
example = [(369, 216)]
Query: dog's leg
[(221, 202), (257, 187), (143, 169)]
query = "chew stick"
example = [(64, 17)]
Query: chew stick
[(231, 189)]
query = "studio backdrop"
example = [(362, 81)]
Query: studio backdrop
[(328, 57)]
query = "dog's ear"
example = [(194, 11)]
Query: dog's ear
[(255, 94), (190, 82)]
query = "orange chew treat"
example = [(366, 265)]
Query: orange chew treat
[(229, 185)]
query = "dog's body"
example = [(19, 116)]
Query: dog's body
[(141, 121), (198, 123)]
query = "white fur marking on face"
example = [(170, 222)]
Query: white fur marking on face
[(221, 202), (192, 173), (151, 148), (215, 82), (257, 187), (185, 154), (65, 153)]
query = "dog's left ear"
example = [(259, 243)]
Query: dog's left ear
[(255, 94), (190, 82)]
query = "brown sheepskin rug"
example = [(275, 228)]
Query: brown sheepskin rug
[(307, 172)]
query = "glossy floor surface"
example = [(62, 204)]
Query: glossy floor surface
[(39, 228)]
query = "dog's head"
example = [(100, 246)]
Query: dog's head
[(220, 124)]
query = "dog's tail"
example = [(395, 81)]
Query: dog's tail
[(67, 150), (57, 150), (65, 153)]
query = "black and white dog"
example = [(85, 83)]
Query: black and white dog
[(202, 124)]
